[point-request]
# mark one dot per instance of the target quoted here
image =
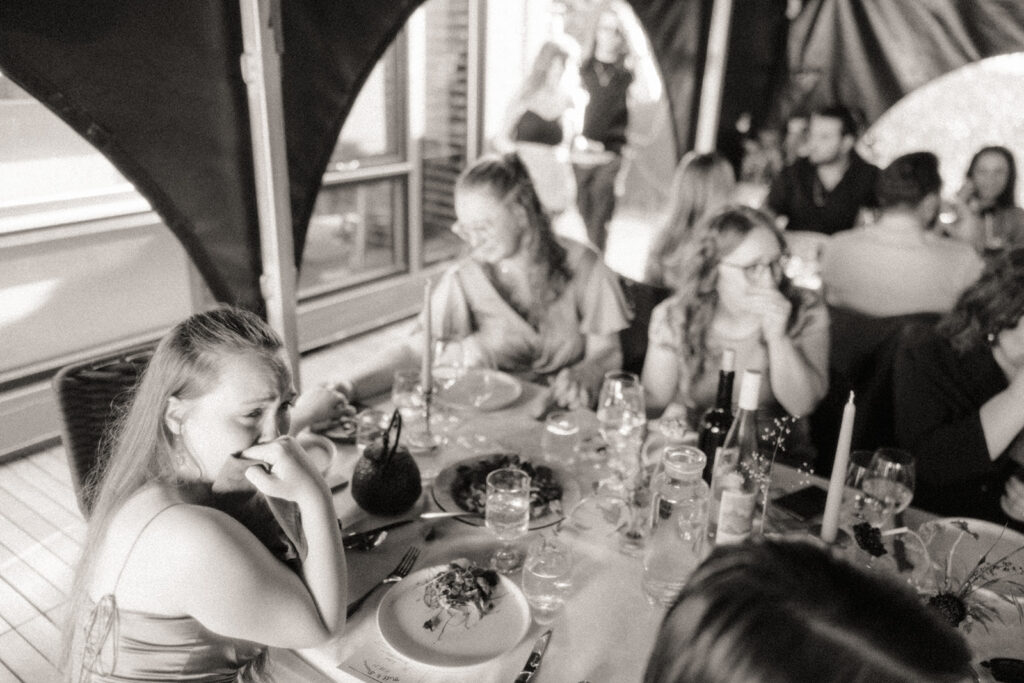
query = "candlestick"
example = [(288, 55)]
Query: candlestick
[(426, 377), (837, 484)]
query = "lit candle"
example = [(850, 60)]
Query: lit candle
[(836, 485), (428, 346)]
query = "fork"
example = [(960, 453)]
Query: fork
[(399, 573)]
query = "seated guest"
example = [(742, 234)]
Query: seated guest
[(195, 560), (789, 612), (988, 216), (958, 392), (523, 301), (896, 265), (733, 294), (702, 185), (824, 191)]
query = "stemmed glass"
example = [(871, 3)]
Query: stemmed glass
[(888, 484), (454, 364), (622, 414), (507, 514), (407, 396)]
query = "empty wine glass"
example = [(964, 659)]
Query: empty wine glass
[(888, 484), (407, 396), (621, 412), (507, 514)]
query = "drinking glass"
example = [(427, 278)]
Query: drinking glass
[(407, 396), (370, 426), (507, 514), (622, 414), (888, 484), (560, 443), (547, 577), (853, 495)]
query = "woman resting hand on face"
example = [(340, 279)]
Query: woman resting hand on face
[(195, 560), (988, 216), (522, 301), (732, 294)]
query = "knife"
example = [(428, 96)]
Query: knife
[(533, 661), (351, 539)]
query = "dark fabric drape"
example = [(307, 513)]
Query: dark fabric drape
[(870, 53)]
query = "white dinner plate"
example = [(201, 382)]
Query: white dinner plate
[(482, 389), (402, 613), (444, 496), (992, 538)]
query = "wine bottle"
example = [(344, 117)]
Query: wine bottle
[(717, 420), (739, 474)]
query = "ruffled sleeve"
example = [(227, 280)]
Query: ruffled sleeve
[(810, 331), (451, 315), (602, 307)]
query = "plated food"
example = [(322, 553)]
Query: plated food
[(461, 594), (469, 489)]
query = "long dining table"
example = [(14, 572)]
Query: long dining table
[(606, 629)]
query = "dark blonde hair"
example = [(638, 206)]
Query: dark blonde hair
[(697, 277), (992, 304), (506, 178), (702, 184), (1008, 196), (140, 450), (788, 612)]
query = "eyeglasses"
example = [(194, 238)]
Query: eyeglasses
[(471, 232), (753, 272)]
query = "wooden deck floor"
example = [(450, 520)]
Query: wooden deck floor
[(42, 531)]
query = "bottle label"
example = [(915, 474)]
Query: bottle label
[(735, 516)]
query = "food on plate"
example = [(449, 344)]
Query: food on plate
[(462, 593), (469, 488)]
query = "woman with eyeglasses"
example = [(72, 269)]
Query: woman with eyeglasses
[(522, 301), (732, 293)]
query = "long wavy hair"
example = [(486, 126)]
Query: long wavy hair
[(697, 291), (550, 52), (702, 184), (505, 177), (140, 448), (1008, 196), (992, 304), (789, 611)]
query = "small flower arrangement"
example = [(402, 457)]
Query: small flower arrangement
[(956, 598)]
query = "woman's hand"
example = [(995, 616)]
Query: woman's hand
[(1013, 498), (774, 309), (570, 390), (319, 408), (290, 475)]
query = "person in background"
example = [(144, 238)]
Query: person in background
[(703, 184), (732, 293), (789, 612), (541, 123), (898, 265), (825, 191), (958, 392), (606, 75), (523, 301), (195, 559), (794, 143), (988, 216)]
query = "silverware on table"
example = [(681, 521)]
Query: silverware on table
[(399, 573), (371, 538), (533, 661)]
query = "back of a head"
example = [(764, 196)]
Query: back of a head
[(788, 612), (908, 179)]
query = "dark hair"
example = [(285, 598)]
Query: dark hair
[(1007, 196), (507, 179), (992, 304), (908, 179), (851, 124), (788, 611)]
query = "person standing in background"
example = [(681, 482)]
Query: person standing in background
[(606, 75)]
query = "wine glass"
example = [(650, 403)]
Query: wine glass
[(888, 484), (507, 514), (622, 414), (547, 577), (407, 395)]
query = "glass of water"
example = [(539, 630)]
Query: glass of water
[(507, 515), (561, 441), (888, 484), (407, 396), (621, 412), (547, 577)]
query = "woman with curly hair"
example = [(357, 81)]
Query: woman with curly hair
[(523, 300), (789, 611), (733, 294), (959, 399), (702, 185)]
